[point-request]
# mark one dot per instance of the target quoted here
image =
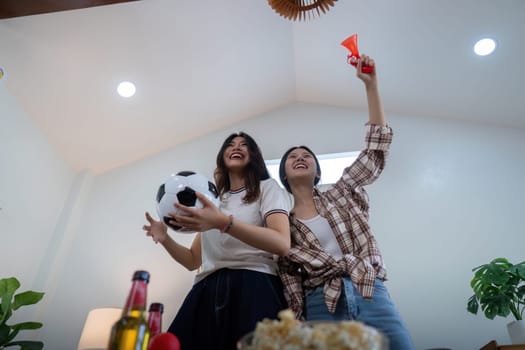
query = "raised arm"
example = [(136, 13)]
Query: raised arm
[(371, 160), (376, 115)]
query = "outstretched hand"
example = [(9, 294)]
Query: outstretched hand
[(156, 229), (365, 60), (199, 219)]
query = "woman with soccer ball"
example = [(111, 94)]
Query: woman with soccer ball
[(235, 250)]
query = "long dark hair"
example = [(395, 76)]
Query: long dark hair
[(282, 170), (254, 172)]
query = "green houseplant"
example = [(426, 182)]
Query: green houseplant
[(10, 302), (499, 288)]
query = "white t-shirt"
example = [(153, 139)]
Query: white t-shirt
[(221, 250)]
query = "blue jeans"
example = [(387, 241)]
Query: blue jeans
[(379, 312)]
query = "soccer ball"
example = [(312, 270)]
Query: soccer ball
[(181, 188)]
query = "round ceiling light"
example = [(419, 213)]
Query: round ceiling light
[(126, 89), (485, 47)]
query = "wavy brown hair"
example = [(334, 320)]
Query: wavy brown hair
[(254, 172)]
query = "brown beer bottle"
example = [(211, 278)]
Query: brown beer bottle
[(155, 319), (131, 331)]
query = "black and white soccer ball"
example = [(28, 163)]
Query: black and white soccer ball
[(181, 188)]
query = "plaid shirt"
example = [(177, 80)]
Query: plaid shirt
[(345, 206)]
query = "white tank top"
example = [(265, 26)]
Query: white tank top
[(324, 234)]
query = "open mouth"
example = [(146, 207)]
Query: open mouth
[(236, 155), (300, 166)]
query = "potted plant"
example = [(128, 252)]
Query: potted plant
[(499, 288), (10, 302)]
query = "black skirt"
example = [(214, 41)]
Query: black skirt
[(224, 306)]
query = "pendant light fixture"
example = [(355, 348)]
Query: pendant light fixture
[(300, 9)]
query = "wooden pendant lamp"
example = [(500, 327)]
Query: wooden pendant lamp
[(300, 9)]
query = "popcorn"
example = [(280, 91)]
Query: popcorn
[(291, 334)]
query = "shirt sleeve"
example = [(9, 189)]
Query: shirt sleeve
[(274, 199), (371, 161), (367, 167)]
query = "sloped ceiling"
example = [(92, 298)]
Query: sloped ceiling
[(202, 65)]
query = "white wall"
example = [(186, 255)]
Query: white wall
[(34, 185), (447, 201)]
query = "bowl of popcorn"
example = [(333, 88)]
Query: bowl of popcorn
[(288, 333)]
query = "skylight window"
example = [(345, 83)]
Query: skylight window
[(332, 166)]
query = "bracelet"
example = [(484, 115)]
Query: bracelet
[(228, 225)]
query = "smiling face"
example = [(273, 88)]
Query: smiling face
[(300, 163), (299, 166), (236, 154), (240, 156)]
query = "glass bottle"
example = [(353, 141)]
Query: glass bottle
[(155, 319), (131, 331)]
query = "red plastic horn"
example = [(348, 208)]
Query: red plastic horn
[(351, 44)]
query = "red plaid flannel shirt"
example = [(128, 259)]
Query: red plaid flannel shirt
[(345, 206)]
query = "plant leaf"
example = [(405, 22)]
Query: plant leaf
[(27, 345), (4, 334), (27, 298), (521, 293), (496, 305), (27, 325), (501, 261), (496, 274), (490, 311), (477, 285), (520, 269), (8, 285), (473, 305)]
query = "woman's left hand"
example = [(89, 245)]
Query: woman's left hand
[(200, 219), (367, 78)]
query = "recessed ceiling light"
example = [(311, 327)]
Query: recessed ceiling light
[(126, 89), (485, 47)]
